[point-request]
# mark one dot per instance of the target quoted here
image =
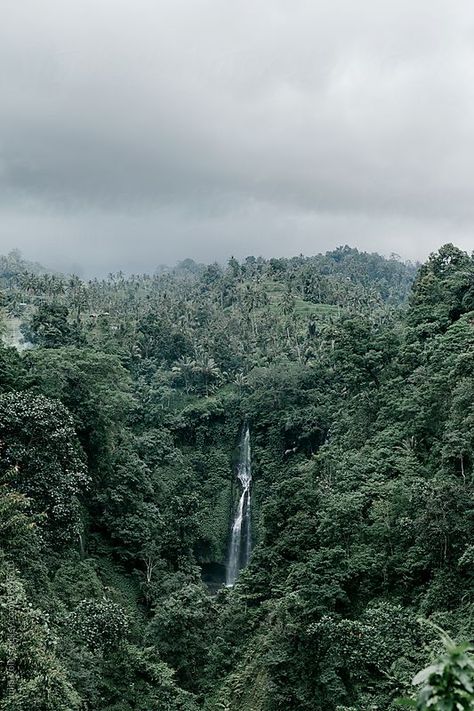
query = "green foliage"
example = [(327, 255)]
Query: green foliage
[(95, 387), (118, 434), (51, 327), (182, 630), (448, 684), (99, 624), (32, 677), (19, 535), (136, 680), (12, 372), (41, 458)]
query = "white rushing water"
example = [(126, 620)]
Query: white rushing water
[(240, 539)]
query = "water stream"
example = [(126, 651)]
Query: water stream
[(241, 540)]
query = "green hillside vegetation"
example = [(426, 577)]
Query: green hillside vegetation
[(119, 428)]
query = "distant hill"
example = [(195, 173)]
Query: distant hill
[(13, 264)]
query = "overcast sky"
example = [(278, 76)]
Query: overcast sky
[(139, 132)]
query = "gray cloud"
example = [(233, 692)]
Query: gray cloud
[(133, 133)]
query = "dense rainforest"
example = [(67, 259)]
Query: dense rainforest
[(122, 403)]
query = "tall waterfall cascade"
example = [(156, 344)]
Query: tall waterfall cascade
[(240, 540)]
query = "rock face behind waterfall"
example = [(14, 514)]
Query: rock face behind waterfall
[(241, 539)]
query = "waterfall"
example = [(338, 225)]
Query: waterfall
[(240, 540)]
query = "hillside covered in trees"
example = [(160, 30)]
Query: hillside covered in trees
[(121, 406)]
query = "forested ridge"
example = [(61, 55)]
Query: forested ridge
[(121, 404)]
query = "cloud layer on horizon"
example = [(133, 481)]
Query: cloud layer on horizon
[(133, 134)]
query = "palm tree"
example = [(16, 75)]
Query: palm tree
[(185, 367), (241, 381), (208, 370)]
